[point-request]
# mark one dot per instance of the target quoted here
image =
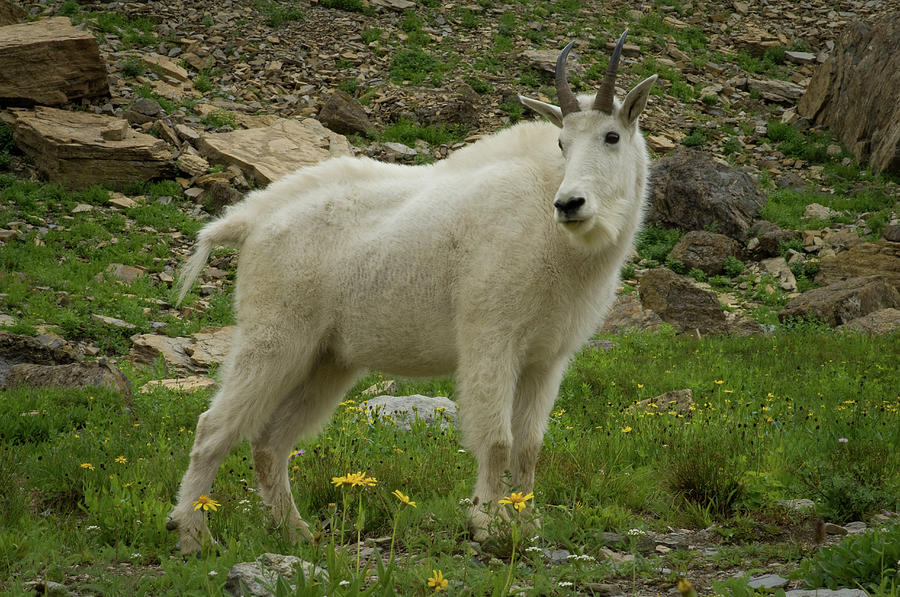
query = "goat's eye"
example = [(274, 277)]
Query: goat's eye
[(560, 145), (612, 138)]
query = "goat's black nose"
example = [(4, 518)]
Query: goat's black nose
[(569, 206)]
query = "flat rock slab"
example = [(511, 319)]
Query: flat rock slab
[(79, 149), (49, 62), (100, 373), (266, 154), (403, 410), (826, 593), (844, 301), (768, 581), (186, 354)]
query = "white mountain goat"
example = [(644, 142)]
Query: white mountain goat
[(495, 265)]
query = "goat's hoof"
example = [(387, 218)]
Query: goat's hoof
[(171, 524)]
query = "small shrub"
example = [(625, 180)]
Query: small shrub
[(412, 65), (871, 561), (698, 274), (349, 86), (202, 82), (133, 67), (219, 118), (655, 243), (371, 34), (706, 470), (479, 85), (695, 139), (514, 110), (732, 266), (346, 5), (627, 272), (676, 265)]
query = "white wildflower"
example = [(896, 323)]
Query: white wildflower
[(635, 532), (465, 502), (93, 527), (344, 583), (564, 583)]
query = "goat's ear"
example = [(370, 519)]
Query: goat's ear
[(548, 111), (635, 101)]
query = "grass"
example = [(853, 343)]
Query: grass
[(759, 404), (408, 133)]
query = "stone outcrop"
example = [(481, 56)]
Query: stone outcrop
[(844, 301), (189, 354), (80, 149), (49, 62), (679, 302), (86, 374), (692, 191), (881, 258), (258, 578), (706, 251), (266, 154), (767, 237), (876, 323), (627, 314), (855, 92)]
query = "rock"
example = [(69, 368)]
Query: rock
[(100, 373), (679, 302), (680, 401), (49, 62), (691, 191), (627, 314), (798, 505), (778, 268), (403, 410), (855, 91), (113, 321), (220, 195), (816, 211), (844, 301), (399, 5), (602, 589), (834, 529), (891, 232), (69, 147), (192, 383), (856, 527), (826, 593), (266, 154), (800, 57), (705, 250), (770, 238), (557, 557), (843, 238), (767, 581), (876, 323), (8, 235), (343, 114), (191, 164), (881, 258), (741, 326), (776, 90), (125, 273), (258, 578), (11, 13), (166, 65), (755, 41), (399, 148), (191, 354), (545, 60), (660, 144), (43, 350), (121, 201)]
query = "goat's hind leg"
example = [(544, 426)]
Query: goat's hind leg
[(301, 413), (253, 383)]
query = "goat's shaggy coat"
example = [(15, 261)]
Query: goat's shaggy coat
[(462, 267)]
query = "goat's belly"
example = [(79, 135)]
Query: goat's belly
[(399, 355)]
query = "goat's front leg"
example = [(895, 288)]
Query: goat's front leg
[(536, 392), (486, 399)]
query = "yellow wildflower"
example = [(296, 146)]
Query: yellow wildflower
[(403, 498), (207, 503), (437, 582), (626, 429), (516, 500), (87, 465), (121, 459)]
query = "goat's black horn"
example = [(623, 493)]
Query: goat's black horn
[(604, 99), (567, 100)]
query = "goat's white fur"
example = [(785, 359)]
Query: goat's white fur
[(456, 267)]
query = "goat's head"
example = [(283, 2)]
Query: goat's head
[(600, 142)]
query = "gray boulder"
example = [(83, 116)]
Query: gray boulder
[(691, 191), (403, 410), (679, 302), (100, 373), (706, 251), (258, 578), (343, 114), (881, 258), (628, 314), (876, 323)]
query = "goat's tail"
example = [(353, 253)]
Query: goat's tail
[(230, 230)]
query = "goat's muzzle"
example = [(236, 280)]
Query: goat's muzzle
[(569, 209)]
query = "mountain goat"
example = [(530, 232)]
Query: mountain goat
[(495, 265)]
